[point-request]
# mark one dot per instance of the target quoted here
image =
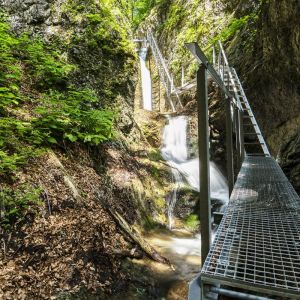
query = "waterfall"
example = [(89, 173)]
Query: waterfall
[(175, 152), (146, 80)]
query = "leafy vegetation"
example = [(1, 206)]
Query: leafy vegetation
[(192, 222), (233, 27), (15, 204), (140, 10), (39, 106), (71, 116)]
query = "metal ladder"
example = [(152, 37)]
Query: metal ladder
[(164, 73), (252, 134)]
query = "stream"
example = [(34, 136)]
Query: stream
[(175, 151)]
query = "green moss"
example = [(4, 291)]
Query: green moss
[(160, 203), (155, 155), (192, 222), (155, 173), (232, 28), (174, 17)]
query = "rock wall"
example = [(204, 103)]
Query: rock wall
[(289, 159), (266, 53)]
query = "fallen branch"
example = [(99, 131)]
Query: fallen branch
[(136, 236), (133, 253)]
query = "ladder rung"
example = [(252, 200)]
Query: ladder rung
[(253, 143), (256, 154), (251, 133), (248, 117)]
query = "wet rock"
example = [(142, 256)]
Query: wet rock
[(289, 159), (266, 54), (186, 204)]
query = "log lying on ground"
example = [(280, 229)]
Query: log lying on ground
[(133, 253), (137, 238)]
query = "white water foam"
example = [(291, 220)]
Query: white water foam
[(175, 152), (146, 80)]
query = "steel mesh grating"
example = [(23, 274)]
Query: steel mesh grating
[(258, 240)]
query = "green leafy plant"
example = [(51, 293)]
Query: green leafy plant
[(18, 141), (233, 27), (15, 204), (38, 106), (72, 116), (9, 69), (140, 10), (192, 222), (44, 64)]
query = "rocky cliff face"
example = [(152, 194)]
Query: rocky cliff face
[(90, 36), (266, 53), (289, 159)]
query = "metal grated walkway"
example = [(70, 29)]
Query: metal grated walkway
[(257, 245)]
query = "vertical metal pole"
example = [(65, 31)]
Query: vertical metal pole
[(219, 63), (229, 146), (234, 119), (182, 75), (214, 56), (223, 69), (237, 135), (242, 149), (203, 144)]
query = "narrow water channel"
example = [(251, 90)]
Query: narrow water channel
[(146, 80)]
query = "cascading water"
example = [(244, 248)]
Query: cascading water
[(146, 80), (175, 152)]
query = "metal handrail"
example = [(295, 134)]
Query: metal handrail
[(249, 110), (201, 57), (231, 77), (163, 70), (154, 46), (235, 83)]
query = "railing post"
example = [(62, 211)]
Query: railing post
[(237, 134), (242, 146), (229, 145), (203, 144), (182, 75), (219, 63)]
